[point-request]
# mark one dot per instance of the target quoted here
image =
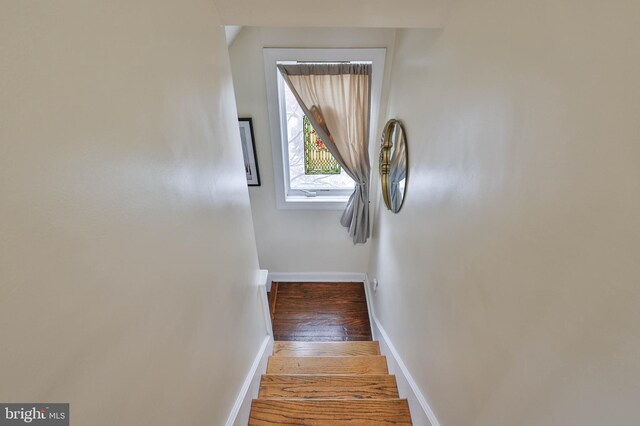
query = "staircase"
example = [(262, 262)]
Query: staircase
[(328, 383)]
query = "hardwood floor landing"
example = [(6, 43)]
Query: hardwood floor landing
[(319, 312)]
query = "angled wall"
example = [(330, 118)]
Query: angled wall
[(127, 256), (509, 280)]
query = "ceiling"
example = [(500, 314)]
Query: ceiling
[(335, 13)]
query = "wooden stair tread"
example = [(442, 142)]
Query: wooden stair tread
[(304, 319), (373, 364), (361, 412), (325, 349), (328, 387)]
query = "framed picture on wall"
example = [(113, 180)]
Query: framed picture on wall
[(249, 151)]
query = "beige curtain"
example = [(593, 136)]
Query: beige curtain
[(336, 99)]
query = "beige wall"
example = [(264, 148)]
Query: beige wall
[(294, 240), (509, 282), (127, 257)]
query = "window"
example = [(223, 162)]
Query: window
[(310, 169), (307, 176)]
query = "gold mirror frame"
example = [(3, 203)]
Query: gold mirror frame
[(393, 144)]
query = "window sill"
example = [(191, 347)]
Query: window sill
[(313, 203)]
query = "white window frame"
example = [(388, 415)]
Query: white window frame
[(328, 199)]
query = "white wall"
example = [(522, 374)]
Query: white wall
[(127, 257), (509, 281), (294, 240)]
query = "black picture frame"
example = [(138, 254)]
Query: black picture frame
[(249, 151)]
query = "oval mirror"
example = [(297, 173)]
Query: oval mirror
[(393, 165)]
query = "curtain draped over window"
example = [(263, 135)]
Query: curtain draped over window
[(336, 99)]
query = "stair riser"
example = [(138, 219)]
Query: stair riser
[(328, 387), (324, 349), (328, 365)]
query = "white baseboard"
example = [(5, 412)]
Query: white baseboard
[(369, 296), (239, 415), (263, 280), (421, 412), (315, 277)]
